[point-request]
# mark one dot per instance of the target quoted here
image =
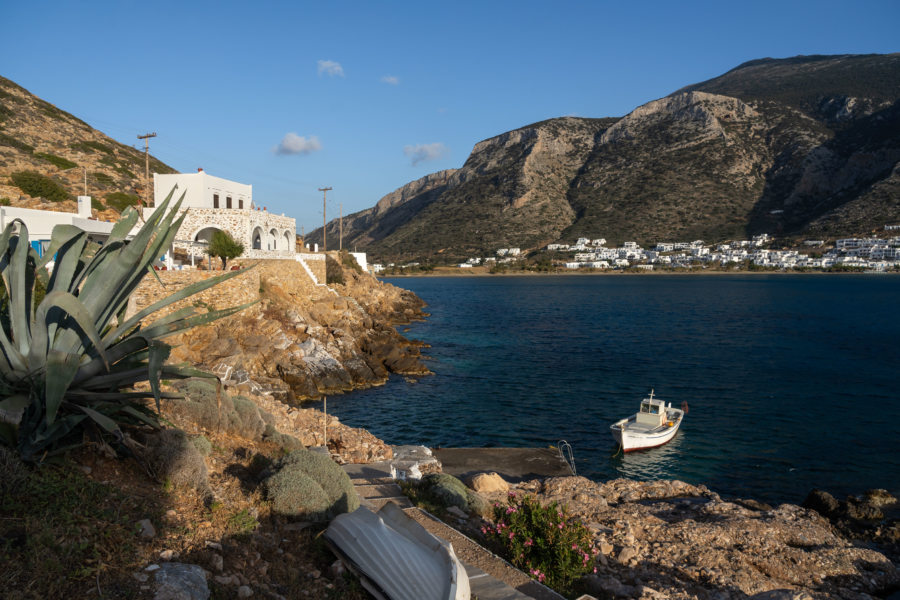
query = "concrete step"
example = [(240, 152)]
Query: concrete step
[(391, 490)]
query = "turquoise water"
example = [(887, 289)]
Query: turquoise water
[(792, 380)]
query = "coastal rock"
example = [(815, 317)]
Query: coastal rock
[(685, 542), (488, 483), (305, 341), (822, 502)]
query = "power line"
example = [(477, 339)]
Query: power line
[(146, 137)]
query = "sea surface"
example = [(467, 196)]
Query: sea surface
[(792, 380)]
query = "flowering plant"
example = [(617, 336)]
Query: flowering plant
[(544, 541)]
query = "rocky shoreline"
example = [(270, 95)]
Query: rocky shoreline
[(661, 539)]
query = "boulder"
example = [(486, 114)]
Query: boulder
[(822, 502), (488, 483), (179, 581)]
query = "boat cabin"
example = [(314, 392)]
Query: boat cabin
[(653, 411)]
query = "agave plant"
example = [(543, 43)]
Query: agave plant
[(71, 361)]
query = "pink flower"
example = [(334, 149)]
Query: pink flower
[(560, 525), (529, 542), (541, 577), (511, 535), (574, 546), (595, 569)]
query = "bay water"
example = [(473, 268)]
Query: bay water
[(791, 380)]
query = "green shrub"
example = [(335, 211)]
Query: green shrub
[(120, 200), (97, 205), (217, 411), (334, 273), (102, 178), (295, 494), (8, 140), (442, 490), (90, 146), (174, 458), (60, 162), (39, 186), (544, 541), (349, 262), (202, 444), (294, 488), (4, 201), (224, 246)]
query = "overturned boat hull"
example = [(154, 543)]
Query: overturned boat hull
[(395, 557)]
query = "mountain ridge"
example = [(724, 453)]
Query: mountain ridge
[(797, 146)]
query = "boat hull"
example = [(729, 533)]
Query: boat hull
[(631, 437)]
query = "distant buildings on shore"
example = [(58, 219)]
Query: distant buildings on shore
[(871, 253)]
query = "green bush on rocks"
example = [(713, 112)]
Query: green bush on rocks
[(174, 458), (446, 491), (310, 486)]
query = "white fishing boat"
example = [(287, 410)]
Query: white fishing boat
[(655, 424)]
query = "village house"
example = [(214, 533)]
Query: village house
[(215, 204)]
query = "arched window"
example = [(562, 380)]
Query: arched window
[(257, 238)]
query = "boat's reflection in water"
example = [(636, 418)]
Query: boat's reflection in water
[(653, 463)]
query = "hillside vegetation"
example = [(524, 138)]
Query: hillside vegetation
[(806, 146), (45, 152)]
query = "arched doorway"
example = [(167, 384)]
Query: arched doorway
[(288, 244), (273, 239), (257, 238)]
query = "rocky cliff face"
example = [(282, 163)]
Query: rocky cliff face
[(306, 341), (805, 146), (37, 136)]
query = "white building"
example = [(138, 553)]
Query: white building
[(40, 223), (213, 203)]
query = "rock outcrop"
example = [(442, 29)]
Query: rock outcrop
[(305, 341), (670, 539)]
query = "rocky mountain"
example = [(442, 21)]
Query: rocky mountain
[(801, 146), (56, 149)]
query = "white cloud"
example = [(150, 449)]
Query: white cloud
[(425, 152), (390, 79), (330, 68), (297, 144)]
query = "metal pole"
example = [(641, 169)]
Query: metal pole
[(146, 137), (341, 230), (324, 222), (325, 422)]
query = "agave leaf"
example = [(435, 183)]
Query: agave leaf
[(167, 329), (60, 371), (181, 294), (149, 420), (102, 286), (101, 419), (159, 352), (67, 242), (133, 343), (15, 277), (69, 304)]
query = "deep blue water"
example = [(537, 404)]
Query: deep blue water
[(792, 380)]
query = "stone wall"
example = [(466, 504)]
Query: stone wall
[(315, 263), (238, 290), (243, 225)]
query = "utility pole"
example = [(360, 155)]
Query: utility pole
[(341, 230), (146, 137), (324, 222)]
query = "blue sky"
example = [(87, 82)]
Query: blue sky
[(367, 96)]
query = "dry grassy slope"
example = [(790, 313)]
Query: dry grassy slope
[(30, 126)]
